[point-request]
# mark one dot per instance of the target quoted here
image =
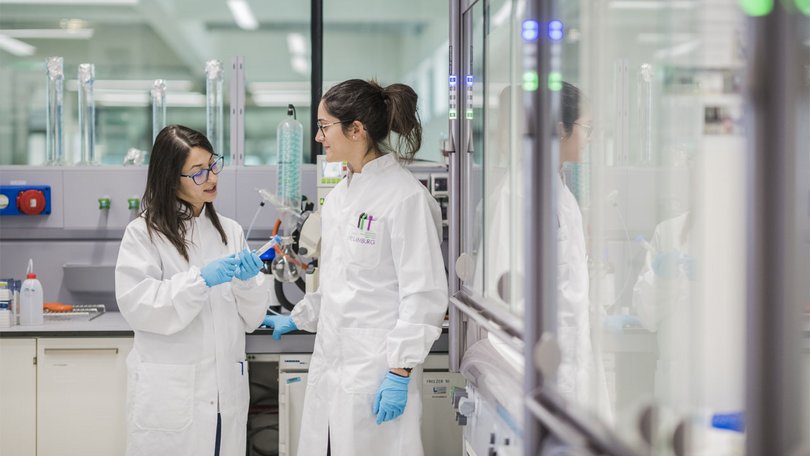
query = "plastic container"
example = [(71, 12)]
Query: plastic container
[(31, 299), (290, 142)]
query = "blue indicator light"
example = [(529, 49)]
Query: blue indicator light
[(469, 80), (453, 80), (531, 30), (555, 30)]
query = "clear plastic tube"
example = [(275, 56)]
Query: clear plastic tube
[(213, 104), (87, 113), (55, 152), (158, 107)]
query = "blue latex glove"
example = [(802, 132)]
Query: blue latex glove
[(281, 324), (665, 264), (389, 403), (249, 265), (219, 271)]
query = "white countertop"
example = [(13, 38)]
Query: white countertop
[(109, 322)]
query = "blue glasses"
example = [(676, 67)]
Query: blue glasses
[(201, 176)]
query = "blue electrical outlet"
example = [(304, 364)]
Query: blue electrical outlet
[(25, 199)]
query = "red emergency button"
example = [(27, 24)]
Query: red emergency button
[(31, 202)]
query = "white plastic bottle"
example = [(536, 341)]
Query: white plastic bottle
[(31, 299)]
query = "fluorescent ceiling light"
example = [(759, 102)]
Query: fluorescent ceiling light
[(260, 86), (179, 85), (243, 15), (142, 98), (300, 65), (16, 47), (275, 99), (677, 51), (58, 34), (296, 44), (652, 4), (71, 2)]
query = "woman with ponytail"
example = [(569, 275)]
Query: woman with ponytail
[(383, 288)]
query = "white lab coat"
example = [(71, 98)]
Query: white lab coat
[(188, 359), (579, 379), (662, 305), (380, 305)]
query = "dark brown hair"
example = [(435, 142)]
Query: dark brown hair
[(163, 210), (382, 111)]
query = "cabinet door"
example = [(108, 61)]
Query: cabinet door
[(81, 396), (291, 389), (18, 400)]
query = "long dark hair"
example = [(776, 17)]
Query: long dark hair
[(163, 210), (382, 110), (570, 98)]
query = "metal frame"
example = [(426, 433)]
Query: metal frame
[(456, 327), (775, 68), (316, 76)]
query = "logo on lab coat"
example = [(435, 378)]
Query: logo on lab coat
[(364, 221)]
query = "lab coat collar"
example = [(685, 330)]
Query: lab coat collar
[(375, 166)]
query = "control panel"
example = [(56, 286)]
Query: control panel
[(25, 199)]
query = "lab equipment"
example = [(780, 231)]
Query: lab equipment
[(213, 104), (55, 101), (158, 107), (391, 398), (290, 143), (31, 298), (268, 245), (25, 199), (87, 113), (249, 265), (281, 324), (286, 265), (219, 271)]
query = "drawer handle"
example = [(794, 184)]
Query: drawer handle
[(60, 350)]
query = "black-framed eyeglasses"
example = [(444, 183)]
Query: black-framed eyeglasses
[(323, 127), (201, 176), (588, 128)]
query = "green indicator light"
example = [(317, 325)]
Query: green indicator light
[(757, 8), (452, 113), (469, 113), (555, 81), (530, 81), (803, 6), (104, 203), (134, 203)]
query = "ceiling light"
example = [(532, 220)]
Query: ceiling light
[(296, 44), (47, 34), (179, 85), (243, 15), (16, 47), (300, 64), (275, 99)]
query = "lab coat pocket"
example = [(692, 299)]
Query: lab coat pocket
[(364, 359), (364, 243), (164, 396)]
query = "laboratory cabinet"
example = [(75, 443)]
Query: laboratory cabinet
[(63, 396), (18, 396)]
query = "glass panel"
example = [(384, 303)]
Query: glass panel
[(651, 202), (131, 46), (493, 228), (393, 42)]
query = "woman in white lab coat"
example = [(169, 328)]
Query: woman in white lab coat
[(189, 288), (383, 288), (580, 378)]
